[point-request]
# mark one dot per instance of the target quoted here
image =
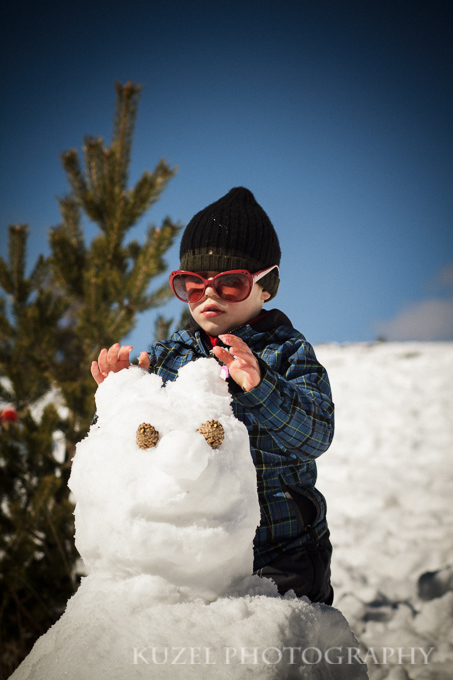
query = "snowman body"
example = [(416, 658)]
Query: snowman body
[(180, 509), (165, 526)]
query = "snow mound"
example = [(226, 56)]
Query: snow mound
[(166, 533)]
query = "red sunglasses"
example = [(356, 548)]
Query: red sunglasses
[(233, 286)]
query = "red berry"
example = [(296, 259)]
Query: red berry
[(9, 414)]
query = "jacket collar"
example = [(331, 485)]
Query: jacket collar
[(265, 322)]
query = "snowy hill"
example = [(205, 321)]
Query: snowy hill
[(388, 482)]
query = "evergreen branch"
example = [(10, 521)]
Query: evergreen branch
[(133, 250), (27, 585), (156, 298), (114, 205), (20, 286), (162, 328), (71, 214), (123, 128), (68, 249), (121, 321), (91, 316), (148, 264), (6, 329), (6, 281), (58, 542), (70, 162), (148, 190), (109, 190), (150, 261), (40, 272), (18, 235), (92, 194), (93, 151)]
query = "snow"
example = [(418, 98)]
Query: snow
[(181, 511), (387, 479), (166, 533)]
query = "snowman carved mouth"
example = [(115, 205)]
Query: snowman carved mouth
[(147, 436)]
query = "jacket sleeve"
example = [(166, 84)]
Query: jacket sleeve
[(293, 406)]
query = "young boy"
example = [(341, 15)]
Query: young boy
[(230, 256)]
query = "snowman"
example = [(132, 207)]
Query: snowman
[(166, 512)]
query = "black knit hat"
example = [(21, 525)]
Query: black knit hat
[(232, 233)]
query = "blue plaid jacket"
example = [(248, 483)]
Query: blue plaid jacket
[(289, 417)]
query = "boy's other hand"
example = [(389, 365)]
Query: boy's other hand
[(113, 360), (110, 361), (242, 364)]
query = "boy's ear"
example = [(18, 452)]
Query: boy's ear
[(265, 295)]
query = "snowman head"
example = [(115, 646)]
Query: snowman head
[(165, 483)]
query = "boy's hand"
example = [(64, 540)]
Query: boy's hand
[(242, 364), (114, 360)]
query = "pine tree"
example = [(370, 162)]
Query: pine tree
[(53, 323)]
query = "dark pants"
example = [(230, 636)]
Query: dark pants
[(306, 570)]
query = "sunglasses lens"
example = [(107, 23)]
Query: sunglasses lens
[(188, 287), (233, 287)]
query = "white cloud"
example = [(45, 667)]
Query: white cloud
[(427, 320)]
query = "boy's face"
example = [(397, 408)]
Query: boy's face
[(217, 316)]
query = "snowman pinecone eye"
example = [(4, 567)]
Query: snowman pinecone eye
[(147, 436), (213, 432)]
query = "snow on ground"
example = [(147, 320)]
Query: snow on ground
[(388, 479)]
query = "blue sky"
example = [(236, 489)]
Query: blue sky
[(337, 115)]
